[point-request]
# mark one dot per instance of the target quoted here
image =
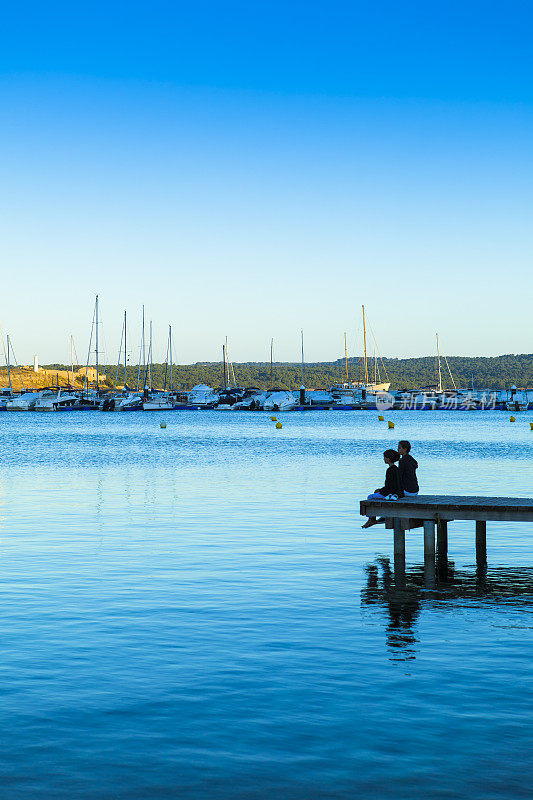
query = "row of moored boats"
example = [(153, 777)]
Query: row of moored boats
[(341, 397)]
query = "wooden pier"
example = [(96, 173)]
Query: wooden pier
[(434, 512)]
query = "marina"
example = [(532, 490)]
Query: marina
[(141, 390), (204, 397)]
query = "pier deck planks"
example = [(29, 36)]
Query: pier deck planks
[(446, 507)]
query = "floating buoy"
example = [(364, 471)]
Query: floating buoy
[(163, 424), (274, 419), (390, 424), (381, 419), (531, 425), (279, 426), (512, 419)]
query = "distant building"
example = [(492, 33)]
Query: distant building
[(91, 374), (35, 364)]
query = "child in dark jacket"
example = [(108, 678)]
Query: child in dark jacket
[(408, 466), (393, 487)]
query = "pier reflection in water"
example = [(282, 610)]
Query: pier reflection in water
[(403, 595)]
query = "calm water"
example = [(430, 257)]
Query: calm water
[(196, 612)]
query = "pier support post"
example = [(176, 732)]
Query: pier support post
[(442, 539), (429, 554), (429, 538), (481, 543), (399, 553), (442, 547)]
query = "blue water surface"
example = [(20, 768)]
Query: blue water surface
[(195, 611)]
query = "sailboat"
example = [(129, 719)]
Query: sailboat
[(90, 398), (375, 386), (230, 395), (132, 400), (454, 399), (110, 401), (165, 400), (26, 400), (7, 394), (363, 393), (310, 399)]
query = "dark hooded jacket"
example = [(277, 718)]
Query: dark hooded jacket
[(408, 467)]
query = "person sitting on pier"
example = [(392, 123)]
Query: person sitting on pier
[(408, 466), (393, 487)]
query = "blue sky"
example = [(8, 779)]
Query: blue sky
[(249, 169)]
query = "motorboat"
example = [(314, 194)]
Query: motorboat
[(345, 397), (459, 400), (280, 401), (314, 398), (228, 397), (24, 402), (160, 401), (132, 401), (253, 401), (358, 395), (108, 403), (5, 396), (202, 396), (416, 400), (517, 400), (55, 401), (89, 400), (426, 400)]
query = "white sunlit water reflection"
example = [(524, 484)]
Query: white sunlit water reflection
[(196, 612)]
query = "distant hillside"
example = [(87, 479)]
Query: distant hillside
[(498, 372)]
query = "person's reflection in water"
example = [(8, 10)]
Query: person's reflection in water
[(402, 604)]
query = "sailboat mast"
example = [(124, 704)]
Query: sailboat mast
[(8, 365), (224, 366), (96, 347), (271, 359), (303, 376), (438, 361), (346, 356), (170, 348), (364, 339), (86, 381), (119, 355), (72, 360), (151, 356), (125, 350), (231, 372), (166, 363), (143, 351)]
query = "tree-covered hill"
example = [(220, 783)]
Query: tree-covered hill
[(497, 372)]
